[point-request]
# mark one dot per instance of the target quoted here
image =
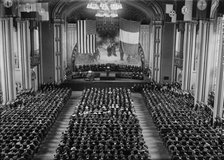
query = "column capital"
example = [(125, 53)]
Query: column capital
[(205, 21), (193, 22), (181, 26), (19, 19), (58, 20), (157, 22)]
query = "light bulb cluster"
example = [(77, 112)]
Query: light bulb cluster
[(101, 13), (105, 8)]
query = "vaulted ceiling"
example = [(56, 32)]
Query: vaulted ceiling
[(139, 10), (128, 12)]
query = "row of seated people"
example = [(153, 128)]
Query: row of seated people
[(204, 111), (104, 126), (26, 121), (211, 98), (131, 75), (0, 97), (175, 90), (186, 131), (104, 67), (174, 87), (128, 75)]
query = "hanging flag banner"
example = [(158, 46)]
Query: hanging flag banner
[(173, 16), (187, 10), (42, 9), (129, 36), (30, 10), (86, 36), (8, 8), (28, 7), (169, 7), (201, 9), (170, 13)]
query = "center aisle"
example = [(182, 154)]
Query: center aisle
[(49, 146), (151, 135)]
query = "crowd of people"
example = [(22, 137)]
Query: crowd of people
[(131, 75), (104, 67), (211, 98), (26, 121), (122, 71), (175, 88), (186, 129), (127, 75), (104, 126), (0, 97)]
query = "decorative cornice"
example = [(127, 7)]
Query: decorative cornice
[(156, 22)]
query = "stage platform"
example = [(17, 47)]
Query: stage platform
[(80, 84), (110, 76)]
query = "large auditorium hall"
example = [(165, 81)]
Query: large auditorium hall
[(111, 79)]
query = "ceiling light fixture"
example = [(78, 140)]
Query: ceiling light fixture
[(93, 5), (105, 8)]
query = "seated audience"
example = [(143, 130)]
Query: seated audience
[(26, 121), (123, 71), (186, 129), (104, 126)]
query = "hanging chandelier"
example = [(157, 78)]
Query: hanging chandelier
[(105, 8)]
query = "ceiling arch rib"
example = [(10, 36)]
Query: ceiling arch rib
[(143, 10)]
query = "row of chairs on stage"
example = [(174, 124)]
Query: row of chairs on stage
[(26, 121), (131, 75), (104, 126), (170, 87), (186, 130), (104, 67), (127, 75)]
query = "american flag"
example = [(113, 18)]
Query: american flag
[(86, 36)]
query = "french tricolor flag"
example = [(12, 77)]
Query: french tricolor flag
[(129, 36)]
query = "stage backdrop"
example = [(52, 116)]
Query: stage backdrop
[(105, 42)]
